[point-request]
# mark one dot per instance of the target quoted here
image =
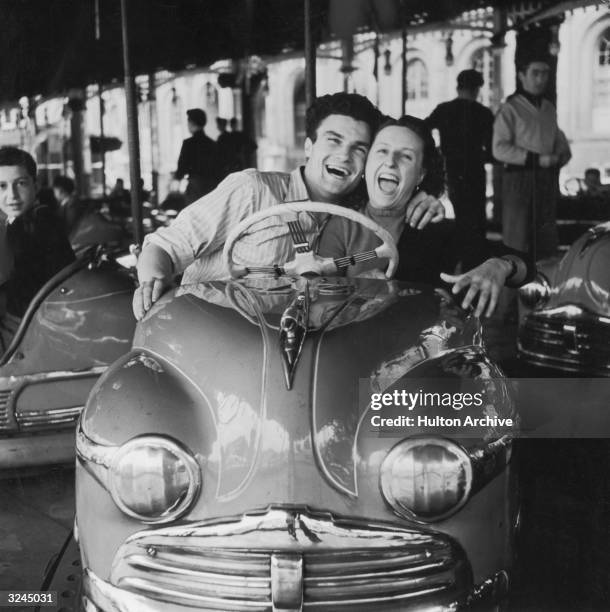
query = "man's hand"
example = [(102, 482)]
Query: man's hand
[(484, 281), (155, 272), (548, 161), (423, 209)]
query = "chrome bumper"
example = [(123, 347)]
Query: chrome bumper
[(289, 560), (103, 597)]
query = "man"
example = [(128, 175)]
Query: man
[(33, 245), (465, 128), (198, 158), (528, 141), (69, 206)]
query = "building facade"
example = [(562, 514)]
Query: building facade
[(372, 66)]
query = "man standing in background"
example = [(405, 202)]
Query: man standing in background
[(198, 158), (528, 141), (465, 128)]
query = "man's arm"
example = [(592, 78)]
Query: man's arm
[(423, 209), (504, 149), (198, 231), (155, 273), (561, 149)]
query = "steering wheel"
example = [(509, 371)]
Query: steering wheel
[(306, 261)]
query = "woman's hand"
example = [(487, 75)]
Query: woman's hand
[(484, 281), (423, 209)]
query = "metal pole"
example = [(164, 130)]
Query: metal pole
[(133, 139), (310, 58), (99, 97), (404, 71)]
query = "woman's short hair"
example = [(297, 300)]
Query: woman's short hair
[(433, 182)]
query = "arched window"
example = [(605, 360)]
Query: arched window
[(482, 62), (601, 72), (300, 107), (417, 80)]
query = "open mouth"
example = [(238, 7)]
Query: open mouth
[(337, 171), (388, 183)]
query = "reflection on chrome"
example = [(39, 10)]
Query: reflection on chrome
[(567, 338), (292, 559)]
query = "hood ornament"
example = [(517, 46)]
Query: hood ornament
[(293, 330)]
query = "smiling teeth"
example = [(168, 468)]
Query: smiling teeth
[(388, 177), (337, 170)]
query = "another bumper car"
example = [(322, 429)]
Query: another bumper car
[(76, 325), (567, 322)]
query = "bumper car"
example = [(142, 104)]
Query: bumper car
[(236, 459), (77, 324), (566, 310)]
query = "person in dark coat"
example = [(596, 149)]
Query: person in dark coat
[(199, 158), (466, 129), (33, 242)]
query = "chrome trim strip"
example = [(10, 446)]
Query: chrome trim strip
[(291, 559), (95, 458), (41, 419), (12, 386), (16, 382), (102, 596)]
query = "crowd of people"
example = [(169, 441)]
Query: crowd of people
[(389, 169)]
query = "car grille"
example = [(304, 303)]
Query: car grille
[(577, 344), (308, 563), (5, 420), (38, 420)]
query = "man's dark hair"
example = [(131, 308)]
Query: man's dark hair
[(470, 79), (525, 59), (65, 183), (221, 123), (433, 182), (349, 104), (197, 116), (12, 156)]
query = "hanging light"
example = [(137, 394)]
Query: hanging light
[(387, 64), (449, 50)]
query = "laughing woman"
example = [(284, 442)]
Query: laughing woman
[(402, 161)]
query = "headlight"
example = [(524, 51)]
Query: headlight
[(536, 293), (426, 479), (154, 479)]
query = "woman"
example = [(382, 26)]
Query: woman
[(403, 160)]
